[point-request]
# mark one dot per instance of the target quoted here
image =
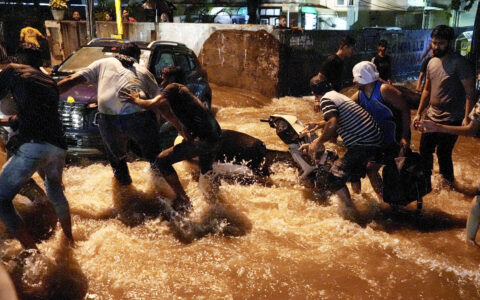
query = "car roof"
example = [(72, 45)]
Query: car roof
[(113, 42)]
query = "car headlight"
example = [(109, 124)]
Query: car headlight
[(77, 119), (72, 115)]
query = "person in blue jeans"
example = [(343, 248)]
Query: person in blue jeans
[(39, 145)]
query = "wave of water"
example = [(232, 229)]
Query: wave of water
[(260, 241)]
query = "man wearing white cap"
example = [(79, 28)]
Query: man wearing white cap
[(360, 134), (384, 102)]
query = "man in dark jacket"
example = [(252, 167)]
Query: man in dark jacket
[(39, 144)]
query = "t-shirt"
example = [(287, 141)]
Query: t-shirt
[(112, 77), (29, 35), (356, 126), (384, 66), (447, 95), (191, 112), (36, 98), (332, 68), (423, 67)]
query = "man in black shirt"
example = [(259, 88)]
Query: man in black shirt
[(383, 62), (332, 68), (200, 131), (39, 144)]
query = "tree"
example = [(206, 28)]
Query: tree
[(456, 4)]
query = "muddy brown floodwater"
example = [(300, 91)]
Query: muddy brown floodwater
[(276, 241)]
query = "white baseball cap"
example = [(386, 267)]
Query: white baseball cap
[(365, 72)]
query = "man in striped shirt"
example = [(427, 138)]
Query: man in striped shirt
[(358, 130)]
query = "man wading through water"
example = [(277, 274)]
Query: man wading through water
[(39, 145), (121, 122), (200, 131), (360, 133), (449, 96), (387, 107)]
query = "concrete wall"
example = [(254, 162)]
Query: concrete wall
[(258, 58), (191, 34), (244, 59), (303, 54), (64, 37), (194, 35)]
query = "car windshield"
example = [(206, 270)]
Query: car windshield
[(85, 56)]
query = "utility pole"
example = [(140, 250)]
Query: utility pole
[(89, 18)]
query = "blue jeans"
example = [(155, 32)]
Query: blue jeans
[(28, 159)]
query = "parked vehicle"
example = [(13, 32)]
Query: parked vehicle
[(78, 106), (463, 43)]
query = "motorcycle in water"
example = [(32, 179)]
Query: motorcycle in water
[(403, 183), (314, 172)]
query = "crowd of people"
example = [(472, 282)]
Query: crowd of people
[(374, 123)]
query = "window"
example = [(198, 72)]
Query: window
[(164, 60), (340, 2), (270, 15), (182, 62), (270, 11), (193, 64)]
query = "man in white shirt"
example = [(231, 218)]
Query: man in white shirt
[(120, 122)]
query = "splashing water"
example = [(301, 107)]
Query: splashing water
[(259, 241)]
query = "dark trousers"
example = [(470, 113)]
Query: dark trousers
[(205, 150), (118, 130), (442, 144)]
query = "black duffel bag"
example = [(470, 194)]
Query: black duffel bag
[(406, 181)]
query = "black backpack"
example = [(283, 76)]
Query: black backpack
[(409, 184)]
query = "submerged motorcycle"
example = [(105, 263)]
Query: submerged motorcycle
[(313, 171), (403, 183)]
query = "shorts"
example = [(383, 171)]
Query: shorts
[(352, 166)]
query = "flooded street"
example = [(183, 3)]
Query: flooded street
[(273, 241)]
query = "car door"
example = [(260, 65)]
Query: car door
[(194, 76)]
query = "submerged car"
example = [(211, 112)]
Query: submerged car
[(78, 106)]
